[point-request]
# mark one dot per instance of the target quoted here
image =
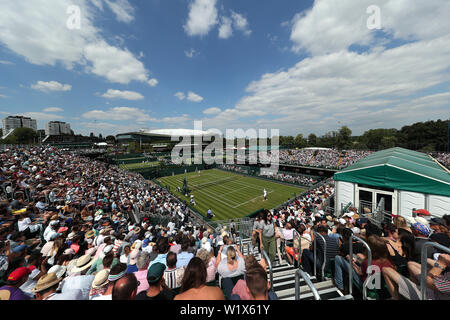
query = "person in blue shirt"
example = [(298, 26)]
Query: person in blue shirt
[(184, 256)]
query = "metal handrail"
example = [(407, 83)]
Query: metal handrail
[(266, 257), (350, 268), (315, 254), (423, 271), (300, 273)]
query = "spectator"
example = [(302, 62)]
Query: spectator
[(100, 284), (184, 256), (116, 273), (173, 275), (257, 285), (194, 283), (437, 281), (208, 258), (267, 236), (47, 286), (233, 266), (421, 233), (157, 286), (12, 291), (141, 275), (125, 288), (79, 279)]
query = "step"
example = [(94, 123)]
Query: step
[(304, 290), (325, 294), (347, 297)]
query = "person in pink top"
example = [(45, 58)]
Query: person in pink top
[(240, 287), (141, 275)]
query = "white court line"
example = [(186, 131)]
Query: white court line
[(250, 200), (214, 196)]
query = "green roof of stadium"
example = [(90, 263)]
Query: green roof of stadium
[(400, 169)]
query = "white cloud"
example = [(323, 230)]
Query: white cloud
[(53, 109), (212, 111), (225, 30), (334, 25), (42, 38), (127, 95), (122, 9), (153, 82), (180, 95), (202, 17), (42, 116), (194, 97), (241, 23), (190, 53), (114, 64), (6, 62), (51, 86), (119, 114)]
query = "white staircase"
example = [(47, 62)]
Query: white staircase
[(284, 280)]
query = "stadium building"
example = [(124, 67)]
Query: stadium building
[(161, 139)]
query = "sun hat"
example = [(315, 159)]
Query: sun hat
[(83, 263), (367, 210), (71, 235), (136, 245), (342, 221), (155, 273), (18, 274), (90, 251), (62, 229), (101, 279), (137, 230), (68, 251), (134, 256), (356, 230), (89, 234), (108, 249), (422, 221), (46, 281), (58, 270)]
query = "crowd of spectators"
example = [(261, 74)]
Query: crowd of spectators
[(299, 179), (330, 159), (68, 233), (395, 247), (443, 158)]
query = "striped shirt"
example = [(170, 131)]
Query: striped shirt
[(174, 277)]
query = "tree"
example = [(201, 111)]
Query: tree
[(23, 136), (312, 140), (344, 138), (299, 141), (111, 139)]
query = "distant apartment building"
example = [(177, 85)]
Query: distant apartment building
[(13, 122), (56, 128)]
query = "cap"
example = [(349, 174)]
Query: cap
[(155, 272), (18, 274)]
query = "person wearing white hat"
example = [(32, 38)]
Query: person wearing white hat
[(60, 271), (79, 279), (100, 284)]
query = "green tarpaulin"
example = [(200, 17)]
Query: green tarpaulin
[(399, 169)]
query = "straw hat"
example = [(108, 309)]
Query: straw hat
[(58, 270), (83, 263), (46, 281), (89, 234), (101, 279)]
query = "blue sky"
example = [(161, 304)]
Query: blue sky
[(297, 66)]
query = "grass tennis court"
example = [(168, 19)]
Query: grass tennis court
[(228, 194), (130, 166)]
